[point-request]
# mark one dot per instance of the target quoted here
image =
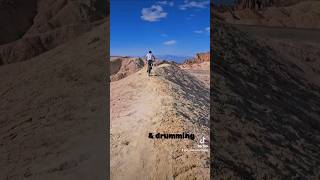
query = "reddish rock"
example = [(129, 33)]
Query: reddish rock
[(202, 57)]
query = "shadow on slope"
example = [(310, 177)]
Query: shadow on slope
[(15, 18), (40, 26)]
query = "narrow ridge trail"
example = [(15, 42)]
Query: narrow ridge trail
[(170, 101)]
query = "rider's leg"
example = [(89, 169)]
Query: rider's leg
[(149, 68)]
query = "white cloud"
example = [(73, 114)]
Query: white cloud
[(207, 29), (194, 4), (171, 42), (163, 2), (198, 32), (154, 13), (169, 3)]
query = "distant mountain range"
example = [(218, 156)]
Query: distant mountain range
[(175, 58), (178, 59)]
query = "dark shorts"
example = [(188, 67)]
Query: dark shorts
[(150, 64)]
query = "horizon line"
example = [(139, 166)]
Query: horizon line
[(162, 54)]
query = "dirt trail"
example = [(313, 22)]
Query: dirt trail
[(163, 103)]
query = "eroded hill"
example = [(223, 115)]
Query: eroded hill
[(31, 28), (122, 67)]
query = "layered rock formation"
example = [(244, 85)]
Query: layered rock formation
[(121, 67), (202, 57), (199, 58)]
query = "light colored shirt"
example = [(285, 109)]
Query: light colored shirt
[(149, 56)]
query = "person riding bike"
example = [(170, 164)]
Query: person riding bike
[(150, 59)]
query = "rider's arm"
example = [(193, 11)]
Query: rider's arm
[(154, 58)]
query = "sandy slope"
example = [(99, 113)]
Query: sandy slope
[(171, 101), (265, 111), (297, 47), (199, 70), (52, 109)]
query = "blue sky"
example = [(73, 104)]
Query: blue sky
[(179, 27)]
